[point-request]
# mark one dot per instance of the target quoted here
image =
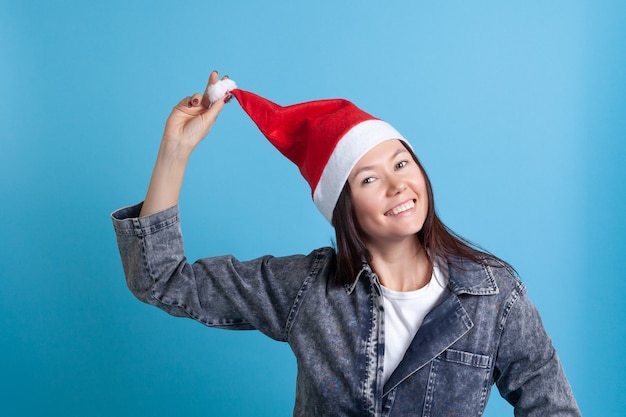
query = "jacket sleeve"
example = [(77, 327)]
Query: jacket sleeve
[(528, 371), (218, 292)]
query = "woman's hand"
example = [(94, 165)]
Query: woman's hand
[(192, 119), (189, 123)]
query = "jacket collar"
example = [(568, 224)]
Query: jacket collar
[(465, 277), (365, 269), (468, 277)]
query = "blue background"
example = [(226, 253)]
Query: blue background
[(516, 111)]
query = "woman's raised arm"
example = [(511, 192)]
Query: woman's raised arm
[(189, 123)]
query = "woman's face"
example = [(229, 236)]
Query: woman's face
[(388, 193)]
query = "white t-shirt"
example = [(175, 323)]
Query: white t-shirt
[(404, 314)]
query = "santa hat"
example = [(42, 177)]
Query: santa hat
[(324, 138)]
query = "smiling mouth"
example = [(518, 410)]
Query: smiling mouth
[(401, 208)]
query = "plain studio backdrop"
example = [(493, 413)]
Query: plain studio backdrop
[(516, 110)]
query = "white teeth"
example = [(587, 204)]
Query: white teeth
[(402, 207)]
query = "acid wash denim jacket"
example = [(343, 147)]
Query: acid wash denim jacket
[(484, 331)]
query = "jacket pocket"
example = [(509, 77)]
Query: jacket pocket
[(466, 358), (458, 384)]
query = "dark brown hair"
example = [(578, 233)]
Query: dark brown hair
[(435, 237)]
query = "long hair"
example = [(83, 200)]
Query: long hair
[(435, 237)]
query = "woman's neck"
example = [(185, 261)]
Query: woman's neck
[(403, 266)]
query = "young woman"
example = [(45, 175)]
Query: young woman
[(402, 318)]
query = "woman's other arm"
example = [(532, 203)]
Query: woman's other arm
[(529, 373), (189, 123)]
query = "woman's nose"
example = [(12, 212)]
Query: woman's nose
[(396, 186)]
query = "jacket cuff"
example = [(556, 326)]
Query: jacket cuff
[(126, 220)]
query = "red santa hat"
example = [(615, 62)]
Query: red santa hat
[(324, 138)]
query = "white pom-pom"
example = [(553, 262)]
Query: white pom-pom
[(220, 89)]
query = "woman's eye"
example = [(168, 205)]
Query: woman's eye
[(401, 164), (369, 180)]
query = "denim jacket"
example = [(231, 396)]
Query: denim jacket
[(484, 331)]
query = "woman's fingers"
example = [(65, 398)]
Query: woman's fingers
[(195, 100), (217, 106), (192, 105), (202, 100), (213, 78), (192, 118)]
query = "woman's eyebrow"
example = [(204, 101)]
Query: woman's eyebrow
[(371, 167), (398, 152)]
